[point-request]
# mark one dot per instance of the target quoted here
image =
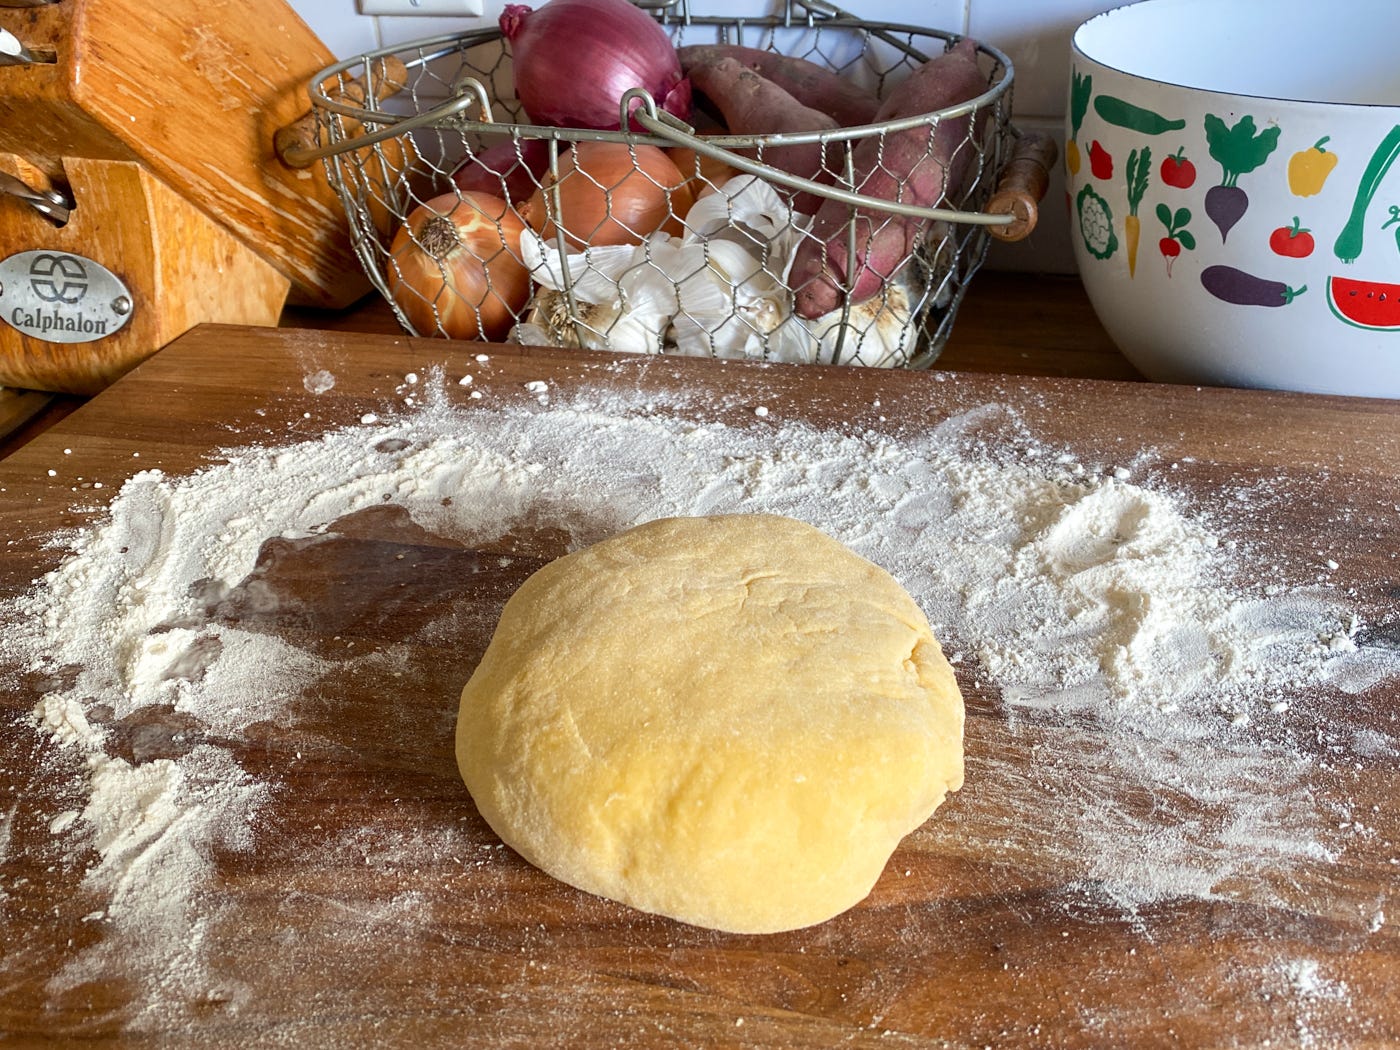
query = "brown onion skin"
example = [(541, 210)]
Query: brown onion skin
[(613, 193), (459, 253), (703, 172)]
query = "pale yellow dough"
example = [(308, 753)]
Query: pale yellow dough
[(731, 721)]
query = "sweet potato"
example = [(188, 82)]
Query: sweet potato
[(915, 166), (816, 87), (753, 105)]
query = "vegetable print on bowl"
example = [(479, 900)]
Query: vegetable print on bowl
[(1236, 214)]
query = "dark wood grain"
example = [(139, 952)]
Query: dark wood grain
[(974, 937), (1009, 323)]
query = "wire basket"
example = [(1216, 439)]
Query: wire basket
[(402, 130)]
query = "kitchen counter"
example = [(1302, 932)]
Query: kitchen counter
[(1016, 324)]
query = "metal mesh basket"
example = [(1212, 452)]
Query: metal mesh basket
[(397, 124)]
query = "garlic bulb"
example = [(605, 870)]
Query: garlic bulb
[(882, 332), (625, 302), (720, 290), (737, 250), (747, 203)]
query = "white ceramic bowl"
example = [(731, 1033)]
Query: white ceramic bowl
[(1233, 169)]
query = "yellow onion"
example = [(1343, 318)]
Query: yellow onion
[(704, 173), (612, 193), (455, 269)]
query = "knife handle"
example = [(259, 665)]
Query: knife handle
[(48, 202), (391, 77), (13, 51)]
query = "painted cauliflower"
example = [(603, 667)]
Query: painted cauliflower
[(1096, 224)]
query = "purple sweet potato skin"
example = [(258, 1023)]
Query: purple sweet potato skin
[(816, 87), (754, 105), (915, 166)]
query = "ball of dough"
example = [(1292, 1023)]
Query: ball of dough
[(731, 721)]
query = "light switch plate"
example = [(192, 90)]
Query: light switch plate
[(437, 8)]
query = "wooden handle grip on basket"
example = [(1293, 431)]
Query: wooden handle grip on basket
[(391, 77), (1023, 184)]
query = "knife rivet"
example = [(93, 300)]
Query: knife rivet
[(121, 305)]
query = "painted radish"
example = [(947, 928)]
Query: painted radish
[(1178, 237), (1238, 149), (1244, 289), (1170, 248)]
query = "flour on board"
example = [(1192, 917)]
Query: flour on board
[(1088, 601)]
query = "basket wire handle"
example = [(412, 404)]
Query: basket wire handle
[(468, 92), (381, 80), (678, 133)]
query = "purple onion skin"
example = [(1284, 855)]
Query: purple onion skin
[(502, 171), (574, 60)]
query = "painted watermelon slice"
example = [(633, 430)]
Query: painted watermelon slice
[(1366, 304)]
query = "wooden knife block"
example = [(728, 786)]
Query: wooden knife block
[(194, 90), (180, 267)]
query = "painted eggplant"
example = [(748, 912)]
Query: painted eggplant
[(1244, 289)]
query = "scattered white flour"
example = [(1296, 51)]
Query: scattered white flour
[(1093, 605), (318, 382), (1303, 984)]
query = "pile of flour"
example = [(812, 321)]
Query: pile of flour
[(1090, 603)]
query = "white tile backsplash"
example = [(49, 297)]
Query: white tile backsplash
[(400, 30), (339, 25), (1035, 34), (1036, 37)]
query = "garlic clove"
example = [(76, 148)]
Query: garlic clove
[(879, 333)]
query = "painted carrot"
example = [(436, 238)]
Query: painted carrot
[(1139, 165)]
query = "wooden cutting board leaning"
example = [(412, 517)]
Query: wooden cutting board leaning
[(231, 809)]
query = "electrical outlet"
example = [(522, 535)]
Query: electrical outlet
[(439, 8)]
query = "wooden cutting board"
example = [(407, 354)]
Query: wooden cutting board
[(981, 933)]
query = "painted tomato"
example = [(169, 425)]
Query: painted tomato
[(1292, 242), (1177, 171)]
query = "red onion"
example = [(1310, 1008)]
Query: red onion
[(574, 60), (515, 167)]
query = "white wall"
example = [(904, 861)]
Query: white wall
[(1035, 33)]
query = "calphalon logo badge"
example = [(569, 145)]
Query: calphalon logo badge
[(58, 278), (61, 280), (62, 298)]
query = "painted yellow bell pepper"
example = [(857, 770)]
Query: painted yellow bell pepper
[(1308, 169)]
